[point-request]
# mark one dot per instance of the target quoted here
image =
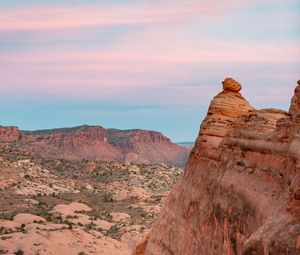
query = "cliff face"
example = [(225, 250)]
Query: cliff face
[(240, 193), (10, 134), (98, 143)]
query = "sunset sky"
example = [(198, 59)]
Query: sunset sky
[(150, 64)]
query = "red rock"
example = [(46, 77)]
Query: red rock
[(98, 143), (294, 110), (223, 111), (219, 207), (10, 134), (231, 85)]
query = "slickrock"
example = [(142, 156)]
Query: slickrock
[(77, 206), (26, 218), (240, 190)]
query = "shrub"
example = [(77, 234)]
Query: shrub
[(27, 176), (108, 197), (19, 252)]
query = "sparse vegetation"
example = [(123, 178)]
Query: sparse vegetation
[(27, 176), (21, 228), (107, 197), (107, 180), (19, 252), (3, 251)]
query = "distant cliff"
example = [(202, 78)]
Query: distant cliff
[(98, 143), (10, 134), (240, 193)]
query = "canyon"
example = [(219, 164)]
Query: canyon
[(240, 192), (97, 143)]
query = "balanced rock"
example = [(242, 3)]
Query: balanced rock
[(223, 111), (232, 85), (240, 193)]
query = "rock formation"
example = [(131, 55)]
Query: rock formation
[(98, 143), (240, 193), (295, 104), (231, 85), (10, 134)]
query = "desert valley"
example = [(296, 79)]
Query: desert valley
[(142, 127), (88, 190)]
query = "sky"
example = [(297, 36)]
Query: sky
[(149, 64)]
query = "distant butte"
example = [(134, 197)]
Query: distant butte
[(97, 143)]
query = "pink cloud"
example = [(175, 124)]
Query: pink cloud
[(125, 68), (62, 17), (151, 58)]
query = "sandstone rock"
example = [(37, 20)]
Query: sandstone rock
[(103, 224), (26, 218), (141, 246), (231, 85), (120, 217), (224, 109), (219, 207), (136, 192), (11, 134), (134, 169), (62, 241), (71, 208), (294, 110), (98, 143)]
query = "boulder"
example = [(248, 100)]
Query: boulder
[(231, 85)]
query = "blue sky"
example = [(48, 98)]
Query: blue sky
[(142, 64)]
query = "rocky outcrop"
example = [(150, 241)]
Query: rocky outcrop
[(295, 104), (241, 186), (98, 143), (223, 111), (10, 134)]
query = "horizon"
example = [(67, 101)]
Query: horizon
[(141, 64), (84, 125)]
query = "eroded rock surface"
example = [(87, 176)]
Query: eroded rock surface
[(241, 186), (10, 134), (295, 104), (231, 85), (98, 143)]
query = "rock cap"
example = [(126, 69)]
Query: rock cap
[(231, 85)]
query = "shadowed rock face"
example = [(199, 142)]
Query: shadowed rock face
[(240, 193), (295, 104), (98, 143)]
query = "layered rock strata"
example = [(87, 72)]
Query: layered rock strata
[(98, 143), (240, 193), (10, 134)]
